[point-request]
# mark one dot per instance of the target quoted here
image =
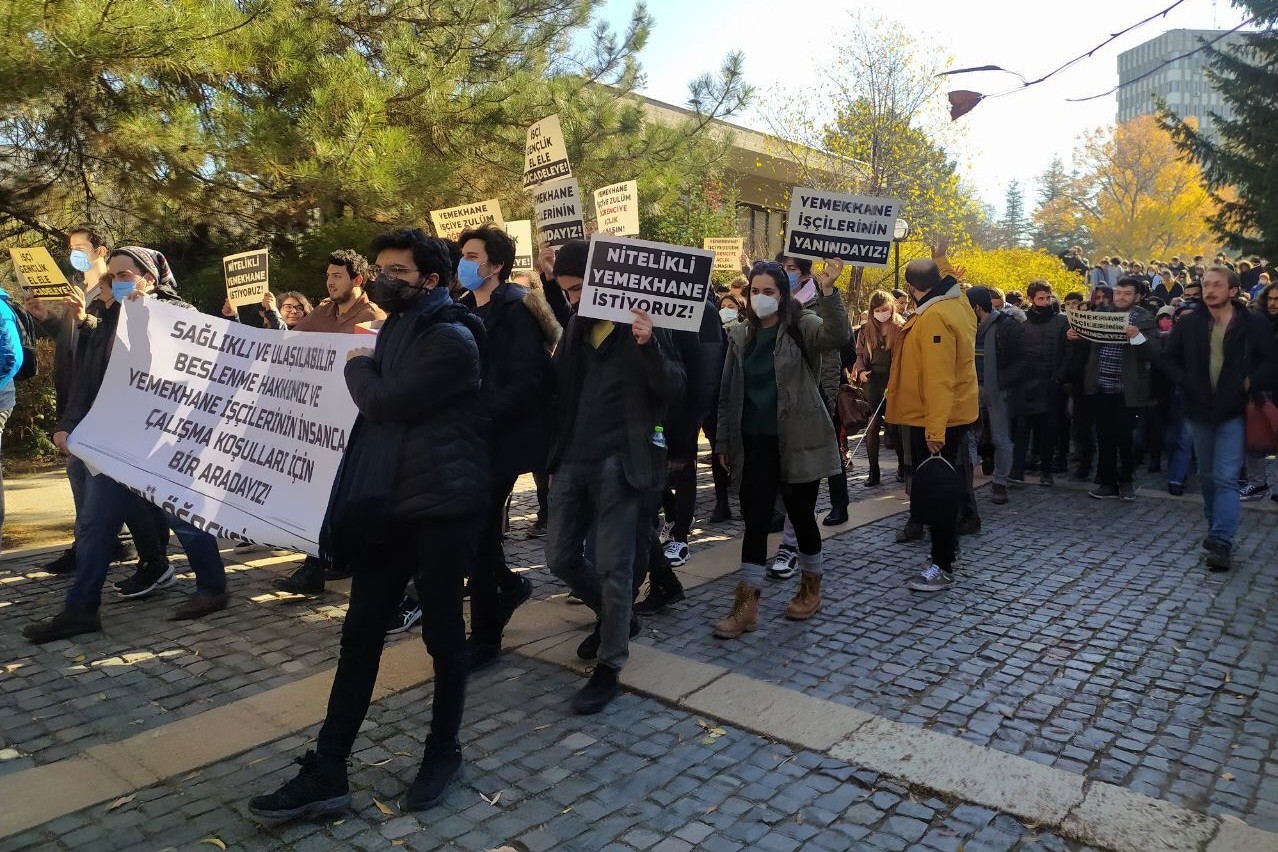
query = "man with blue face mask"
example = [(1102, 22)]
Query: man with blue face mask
[(88, 252), (518, 391)]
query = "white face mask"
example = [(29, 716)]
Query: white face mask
[(764, 306), (883, 316), (727, 315)]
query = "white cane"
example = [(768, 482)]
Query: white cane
[(867, 431)]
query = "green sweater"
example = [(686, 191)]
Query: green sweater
[(759, 413)]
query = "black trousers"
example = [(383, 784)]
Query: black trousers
[(679, 500), (1114, 437), (760, 484), (1084, 430), (945, 536), (489, 574), (433, 555)]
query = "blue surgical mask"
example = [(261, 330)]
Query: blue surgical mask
[(794, 280), (468, 274), (121, 289), (81, 260)]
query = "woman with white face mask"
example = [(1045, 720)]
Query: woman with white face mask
[(775, 433), (874, 346)]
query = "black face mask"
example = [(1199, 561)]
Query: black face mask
[(392, 295)]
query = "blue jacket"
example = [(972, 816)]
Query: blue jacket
[(10, 342)]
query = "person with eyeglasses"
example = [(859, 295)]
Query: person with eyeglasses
[(775, 433), (293, 308), (408, 504), (135, 273)]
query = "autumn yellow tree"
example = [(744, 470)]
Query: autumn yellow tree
[(1135, 195)]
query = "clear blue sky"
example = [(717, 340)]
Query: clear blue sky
[(787, 43)]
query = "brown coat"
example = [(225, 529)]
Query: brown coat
[(326, 318)]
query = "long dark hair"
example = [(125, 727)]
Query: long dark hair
[(788, 310)]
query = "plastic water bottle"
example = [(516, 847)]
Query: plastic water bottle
[(659, 436)]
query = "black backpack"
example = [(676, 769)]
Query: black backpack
[(27, 337)]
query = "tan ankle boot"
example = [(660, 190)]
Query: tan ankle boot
[(744, 616), (807, 601)]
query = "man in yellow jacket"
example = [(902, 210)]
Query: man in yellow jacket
[(932, 391)]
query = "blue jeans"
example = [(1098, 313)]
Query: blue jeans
[(586, 495), (1220, 456), (994, 409), (107, 504), (8, 398)]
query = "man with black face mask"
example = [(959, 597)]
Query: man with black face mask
[(407, 504)]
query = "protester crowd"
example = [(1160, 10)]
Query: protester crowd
[(473, 380)]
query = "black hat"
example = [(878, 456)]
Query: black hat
[(980, 297), (571, 259), (936, 492)]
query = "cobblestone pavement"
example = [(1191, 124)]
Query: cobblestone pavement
[(1082, 634), (642, 777)]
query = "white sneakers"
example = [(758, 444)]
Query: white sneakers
[(676, 553)]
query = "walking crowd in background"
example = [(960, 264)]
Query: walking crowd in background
[(474, 380)]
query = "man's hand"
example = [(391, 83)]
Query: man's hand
[(940, 248), (36, 308), (641, 326), (268, 301), (1072, 334), (833, 269), (863, 376), (227, 310), (724, 461), (363, 351), (60, 441), (135, 296), (74, 305), (1132, 331), (744, 260), (546, 261), (934, 447)]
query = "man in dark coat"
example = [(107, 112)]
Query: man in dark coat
[(1042, 394), (518, 392), (407, 504), (1000, 366), (615, 382), (1222, 355)]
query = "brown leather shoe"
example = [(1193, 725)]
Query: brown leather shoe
[(807, 601), (199, 605), (744, 616), (998, 495)]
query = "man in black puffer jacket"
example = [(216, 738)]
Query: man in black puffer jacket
[(407, 504), (1042, 395)]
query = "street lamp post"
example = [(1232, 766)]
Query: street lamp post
[(901, 231)]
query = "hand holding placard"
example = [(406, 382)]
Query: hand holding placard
[(830, 274), (641, 327)]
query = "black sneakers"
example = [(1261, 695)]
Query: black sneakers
[(308, 579), (603, 686), (408, 613), (659, 598), (509, 600), (1104, 492), (319, 788), (589, 647), (70, 622), (146, 579), (440, 765), (64, 564)]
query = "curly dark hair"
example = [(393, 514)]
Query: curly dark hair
[(355, 263)]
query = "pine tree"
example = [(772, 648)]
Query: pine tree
[(1013, 226), (1055, 223), (1241, 168)]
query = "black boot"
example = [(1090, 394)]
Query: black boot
[(441, 764), (482, 654), (838, 501), (722, 512), (913, 531), (659, 597), (900, 472), (125, 551), (589, 647), (319, 788), (308, 579), (873, 479), (509, 600), (72, 621), (602, 687), (64, 564)]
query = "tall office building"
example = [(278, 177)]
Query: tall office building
[(1182, 83)]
